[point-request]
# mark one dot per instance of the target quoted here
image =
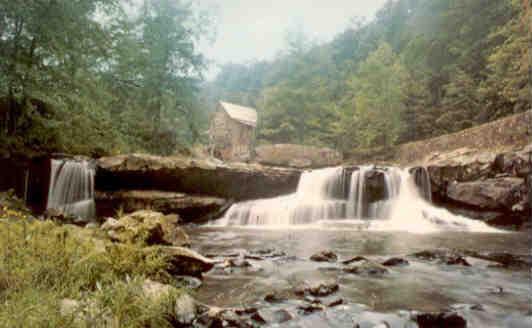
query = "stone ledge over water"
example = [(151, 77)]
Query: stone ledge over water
[(237, 181)]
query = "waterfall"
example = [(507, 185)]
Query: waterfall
[(380, 198), (422, 181), (325, 194), (72, 188)]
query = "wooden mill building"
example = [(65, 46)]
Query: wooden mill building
[(232, 132)]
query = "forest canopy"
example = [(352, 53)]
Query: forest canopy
[(96, 77), (420, 69)]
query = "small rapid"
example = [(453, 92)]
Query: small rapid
[(366, 197)]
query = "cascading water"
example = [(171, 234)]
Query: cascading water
[(72, 188), (377, 198)]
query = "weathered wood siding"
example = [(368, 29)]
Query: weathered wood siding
[(231, 140)]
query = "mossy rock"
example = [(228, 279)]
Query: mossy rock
[(149, 227)]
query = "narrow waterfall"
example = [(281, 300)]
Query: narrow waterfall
[(72, 188), (379, 198)]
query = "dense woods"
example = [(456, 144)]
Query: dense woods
[(421, 68), (101, 76)]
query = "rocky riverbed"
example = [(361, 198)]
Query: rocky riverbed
[(339, 278)]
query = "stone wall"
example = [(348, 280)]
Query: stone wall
[(291, 155), (506, 134)]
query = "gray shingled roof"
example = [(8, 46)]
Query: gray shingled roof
[(244, 115)]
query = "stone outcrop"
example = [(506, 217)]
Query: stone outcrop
[(299, 156), (147, 226), (488, 185), (230, 181), (190, 208), (493, 194)]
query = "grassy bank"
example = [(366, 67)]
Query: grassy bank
[(43, 263)]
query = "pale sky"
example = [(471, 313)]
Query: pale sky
[(250, 30)]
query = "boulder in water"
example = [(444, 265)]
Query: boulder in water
[(324, 256), (272, 316), (439, 319), (367, 268), (443, 256), (395, 261), (183, 261), (354, 259), (318, 289)]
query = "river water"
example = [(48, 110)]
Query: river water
[(504, 294)]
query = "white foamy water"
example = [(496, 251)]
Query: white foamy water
[(72, 188), (337, 199)]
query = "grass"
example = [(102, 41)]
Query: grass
[(43, 263)]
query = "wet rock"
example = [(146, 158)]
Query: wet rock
[(147, 226), (395, 261), (375, 186), (274, 298), (192, 208), (484, 185), (467, 307), (188, 282), (441, 319), (272, 316), (324, 256), (430, 255), (312, 299), (367, 268), (219, 317), (354, 259), (503, 259), (60, 216), (236, 263), (457, 260), (319, 289), (268, 253), (489, 194), (496, 290), (335, 302), (306, 309), (443, 256), (184, 261)]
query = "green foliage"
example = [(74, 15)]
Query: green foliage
[(379, 98), (85, 77), (420, 69), (43, 263)]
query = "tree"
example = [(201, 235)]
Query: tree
[(379, 98)]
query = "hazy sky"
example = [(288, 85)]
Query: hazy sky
[(255, 29)]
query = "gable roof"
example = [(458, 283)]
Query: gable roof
[(244, 115)]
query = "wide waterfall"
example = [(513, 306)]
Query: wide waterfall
[(375, 198), (72, 188)]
